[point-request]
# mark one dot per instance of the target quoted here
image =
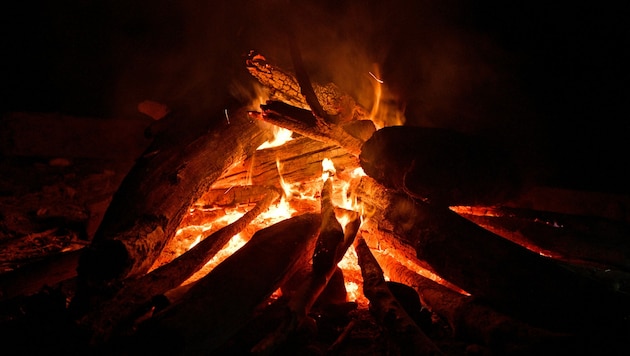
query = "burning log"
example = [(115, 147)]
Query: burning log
[(440, 166), (508, 277), (152, 200), (300, 158), (407, 335), (222, 301), (332, 244), (581, 240), (304, 123), (136, 294), (472, 320), (284, 86)]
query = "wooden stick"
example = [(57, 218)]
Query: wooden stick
[(303, 122), (470, 319), (409, 339), (137, 293), (222, 301), (303, 299), (152, 200)]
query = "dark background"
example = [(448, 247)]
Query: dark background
[(548, 80)]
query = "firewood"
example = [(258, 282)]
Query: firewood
[(309, 291), (472, 320), (510, 278), (31, 278), (152, 200), (303, 122), (591, 241), (222, 301), (300, 159), (285, 87), (330, 234), (408, 337), (138, 292), (441, 166)]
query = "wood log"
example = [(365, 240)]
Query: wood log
[(137, 293), (300, 159), (31, 278), (311, 288), (153, 198), (284, 86), (507, 276), (303, 122), (591, 241), (408, 337), (472, 320), (441, 166), (222, 301)]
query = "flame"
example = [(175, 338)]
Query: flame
[(280, 137), (384, 111)]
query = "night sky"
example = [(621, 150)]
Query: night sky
[(548, 80)]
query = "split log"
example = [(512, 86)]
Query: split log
[(303, 122), (300, 159), (152, 200), (507, 276), (408, 337), (118, 312), (474, 321), (441, 166), (222, 301)]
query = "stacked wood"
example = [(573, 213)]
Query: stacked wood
[(136, 294), (332, 243), (300, 159), (159, 189), (472, 320), (408, 338), (507, 276), (221, 302)]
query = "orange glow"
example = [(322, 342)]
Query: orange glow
[(280, 137)]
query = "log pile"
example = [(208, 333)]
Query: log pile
[(484, 277)]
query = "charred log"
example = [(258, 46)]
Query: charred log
[(117, 313), (303, 122), (474, 321), (152, 200), (222, 302), (507, 276), (440, 166), (408, 337)]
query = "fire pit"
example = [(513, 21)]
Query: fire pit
[(299, 221)]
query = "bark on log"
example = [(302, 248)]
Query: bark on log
[(221, 302), (512, 279), (474, 321), (118, 312), (153, 198), (409, 339), (440, 166)]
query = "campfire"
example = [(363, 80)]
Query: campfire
[(308, 223)]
